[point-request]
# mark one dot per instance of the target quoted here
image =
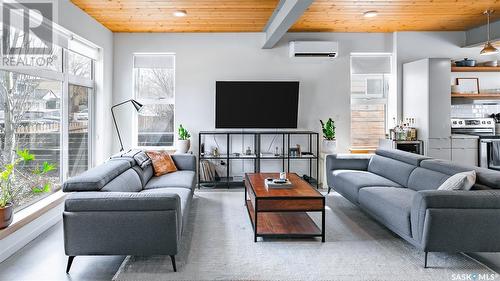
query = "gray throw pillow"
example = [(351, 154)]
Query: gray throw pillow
[(460, 181)]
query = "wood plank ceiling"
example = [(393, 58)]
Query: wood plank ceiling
[(395, 15), (203, 15), (322, 15)]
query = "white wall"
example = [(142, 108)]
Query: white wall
[(75, 20), (202, 59)]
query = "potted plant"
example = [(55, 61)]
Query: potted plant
[(9, 190), (183, 143), (329, 144)]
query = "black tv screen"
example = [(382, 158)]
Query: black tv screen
[(256, 104)]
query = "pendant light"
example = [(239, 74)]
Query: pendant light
[(488, 48)]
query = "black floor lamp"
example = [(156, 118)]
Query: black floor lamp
[(137, 107)]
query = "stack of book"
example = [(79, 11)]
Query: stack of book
[(278, 183)]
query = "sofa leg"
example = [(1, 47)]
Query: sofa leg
[(425, 259), (172, 257), (70, 261), (329, 188)]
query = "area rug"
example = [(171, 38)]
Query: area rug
[(218, 245)]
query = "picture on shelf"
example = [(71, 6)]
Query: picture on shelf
[(468, 85)]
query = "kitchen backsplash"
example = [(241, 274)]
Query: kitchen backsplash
[(474, 110)]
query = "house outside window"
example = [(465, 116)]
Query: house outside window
[(48, 111), (370, 79), (154, 84)]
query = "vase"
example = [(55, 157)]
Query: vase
[(329, 146), (183, 146), (6, 215)]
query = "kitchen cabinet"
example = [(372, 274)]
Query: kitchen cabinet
[(465, 150), (427, 99)]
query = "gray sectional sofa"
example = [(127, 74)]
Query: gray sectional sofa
[(399, 190), (120, 208)]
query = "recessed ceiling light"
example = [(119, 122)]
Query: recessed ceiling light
[(370, 14), (180, 13)]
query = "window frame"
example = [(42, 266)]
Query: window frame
[(149, 101), (367, 99), (66, 79)]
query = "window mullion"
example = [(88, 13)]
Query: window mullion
[(65, 120)]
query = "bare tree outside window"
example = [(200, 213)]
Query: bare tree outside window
[(155, 89), (30, 114)]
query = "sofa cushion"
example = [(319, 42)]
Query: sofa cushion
[(349, 182), (127, 181), (184, 179), (390, 205), (425, 179), (95, 178), (162, 162), (144, 173), (395, 170), (460, 181), (484, 177), (403, 156)]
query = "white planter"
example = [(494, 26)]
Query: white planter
[(329, 146), (183, 146)]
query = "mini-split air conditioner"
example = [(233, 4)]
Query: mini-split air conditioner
[(318, 49)]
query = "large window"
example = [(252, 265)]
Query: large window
[(48, 112), (370, 80), (155, 89)]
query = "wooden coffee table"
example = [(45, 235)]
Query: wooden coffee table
[(283, 212)]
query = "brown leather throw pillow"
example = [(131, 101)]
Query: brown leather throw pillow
[(162, 162)]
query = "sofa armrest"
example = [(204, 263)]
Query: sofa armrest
[(121, 201), (185, 161), (437, 211), (347, 162), (472, 199)]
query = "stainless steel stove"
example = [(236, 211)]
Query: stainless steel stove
[(485, 129), (472, 126)]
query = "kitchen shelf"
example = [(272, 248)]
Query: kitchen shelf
[(475, 69), (475, 96)]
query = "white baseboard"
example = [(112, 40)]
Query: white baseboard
[(21, 237)]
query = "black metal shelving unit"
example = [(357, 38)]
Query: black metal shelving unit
[(228, 180)]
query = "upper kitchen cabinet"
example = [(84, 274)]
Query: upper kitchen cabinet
[(427, 98)]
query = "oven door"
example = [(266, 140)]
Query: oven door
[(485, 154)]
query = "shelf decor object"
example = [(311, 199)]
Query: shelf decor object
[(468, 85), (137, 107), (183, 142), (329, 144), (488, 48)]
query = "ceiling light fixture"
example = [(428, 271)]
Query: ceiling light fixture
[(370, 14), (180, 13), (488, 48)]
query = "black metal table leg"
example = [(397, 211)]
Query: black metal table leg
[(323, 222)]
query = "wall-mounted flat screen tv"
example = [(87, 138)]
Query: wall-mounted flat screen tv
[(256, 104)]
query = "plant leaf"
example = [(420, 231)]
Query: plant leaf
[(25, 155), (46, 167)]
